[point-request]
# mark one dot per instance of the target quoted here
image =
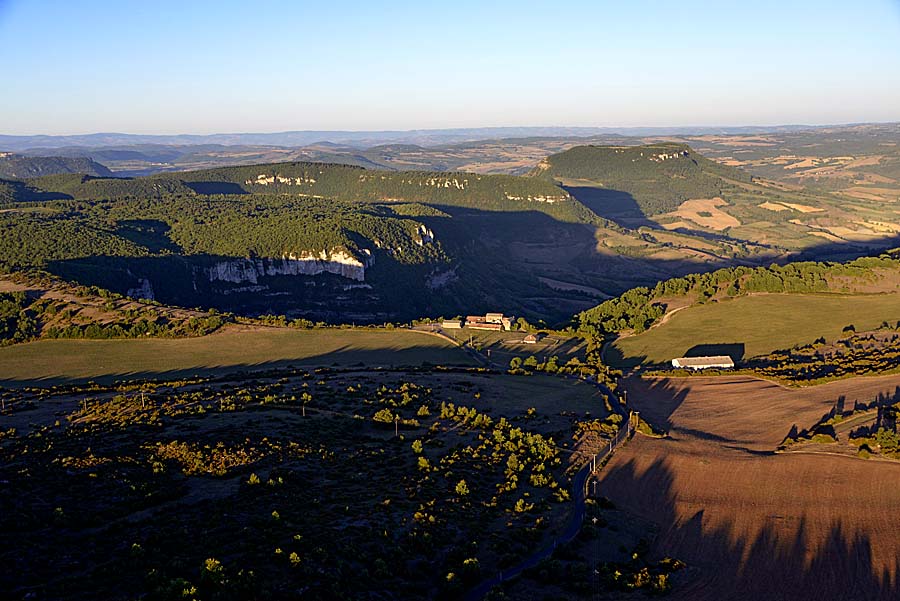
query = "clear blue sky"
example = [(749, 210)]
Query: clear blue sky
[(192, 66)]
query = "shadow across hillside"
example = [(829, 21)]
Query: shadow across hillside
[(152, 234), (216, 188), (616, 205), (782, 555), (776, 559)]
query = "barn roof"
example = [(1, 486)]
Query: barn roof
[(705, 361)]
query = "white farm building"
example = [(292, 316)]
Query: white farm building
[(717, 361)]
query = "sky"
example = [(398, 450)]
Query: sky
[(196, 66)]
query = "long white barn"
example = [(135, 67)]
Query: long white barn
[(717, 361)]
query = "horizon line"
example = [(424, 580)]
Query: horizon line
[(461, 128)]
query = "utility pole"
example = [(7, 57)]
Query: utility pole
[(397, 426), (143, 405)]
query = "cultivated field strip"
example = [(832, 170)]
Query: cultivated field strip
[(751, 523)]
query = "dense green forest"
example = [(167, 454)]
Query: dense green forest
[(318, 180), (242, 226), (191, 236), (639, 308), (658, 176), (16, 324)]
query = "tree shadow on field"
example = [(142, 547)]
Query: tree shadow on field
[(411, 357), (781, 559), (735, 350)]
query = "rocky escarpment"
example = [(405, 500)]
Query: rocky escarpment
[(143, 290), (338, 262)]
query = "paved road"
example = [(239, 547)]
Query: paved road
[(570, 532)]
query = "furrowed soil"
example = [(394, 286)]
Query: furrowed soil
[(750, 523)]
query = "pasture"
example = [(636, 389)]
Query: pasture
[(754, 325), (234, 348)]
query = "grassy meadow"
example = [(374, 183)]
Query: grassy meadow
[(234, 348), (761, 323)]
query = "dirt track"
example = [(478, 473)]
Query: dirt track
[(750, 523)]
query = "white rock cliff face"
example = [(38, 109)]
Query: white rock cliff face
[(143, 290), (241, 271)]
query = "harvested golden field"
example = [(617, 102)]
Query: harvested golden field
[(802, 208), (872, 193), (773, 206), (750, 523), (706, 212)]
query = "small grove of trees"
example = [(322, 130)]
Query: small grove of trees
[(17, 324), (551, 365), (194, 326)]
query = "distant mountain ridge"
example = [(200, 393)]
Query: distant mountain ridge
[(23, 167), (363, 139)]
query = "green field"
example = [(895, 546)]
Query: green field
[(761, 323), (235, 348)]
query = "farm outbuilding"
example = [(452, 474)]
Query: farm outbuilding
[(484, 326), (452, 324), (530, 339), (489, 321), (716, 361)]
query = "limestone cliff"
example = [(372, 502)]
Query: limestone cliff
[(337, 261)]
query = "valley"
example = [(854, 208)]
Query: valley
[(229, 380)]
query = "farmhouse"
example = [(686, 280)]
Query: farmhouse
[(489, 321), (719, 361)]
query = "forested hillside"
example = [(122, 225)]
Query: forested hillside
[(337, 242), (18, 166), (658, 176), (306, 239)]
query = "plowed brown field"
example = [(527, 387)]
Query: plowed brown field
[(750, 523)]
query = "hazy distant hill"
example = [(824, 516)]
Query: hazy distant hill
[(23, 167), (363, 139)]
